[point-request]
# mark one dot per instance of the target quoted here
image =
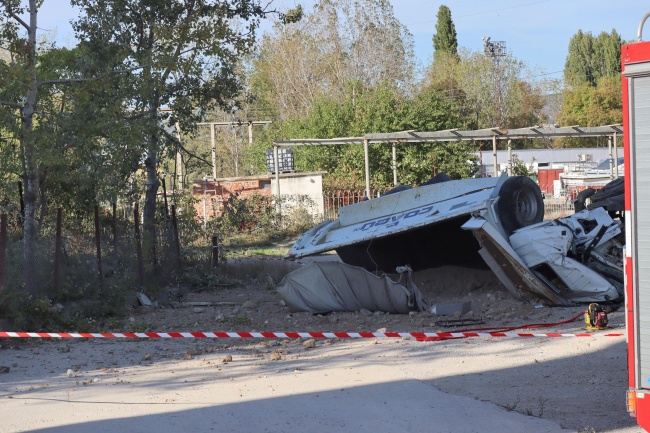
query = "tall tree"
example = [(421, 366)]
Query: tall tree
[(610, 44), (22, 98), (34, 102), (590, 58), (341, 43), (55, 137), (445, 40), (491, 87), (184, 55)]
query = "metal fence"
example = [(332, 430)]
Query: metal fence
[(76, 256), (79, 256)]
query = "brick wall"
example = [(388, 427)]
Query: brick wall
[(212, 194)]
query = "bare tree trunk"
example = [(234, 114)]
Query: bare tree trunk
[(31, 195), (149, 226), (30, 165)]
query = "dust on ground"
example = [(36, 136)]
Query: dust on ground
[(256, 306), (556, 379)]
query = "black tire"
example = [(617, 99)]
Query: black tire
[(438, 178), (520, 204), (398, 188), (613, 188), (611, 204), (579, 203)]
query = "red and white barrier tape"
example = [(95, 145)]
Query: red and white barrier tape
[(424, 336)]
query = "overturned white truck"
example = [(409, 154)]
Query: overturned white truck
[(474, 222)]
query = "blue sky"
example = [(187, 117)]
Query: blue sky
[(535, 31)]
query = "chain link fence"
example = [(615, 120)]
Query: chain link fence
[(83, 256)]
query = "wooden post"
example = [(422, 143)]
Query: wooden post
[(215, 252), (114, 228), (3, 246), (100, 275), (22, 203), (57, 251), (165, 197), (176, 246), (138, 243)]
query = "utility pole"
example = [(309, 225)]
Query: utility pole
[(495, 50), (213, 143)]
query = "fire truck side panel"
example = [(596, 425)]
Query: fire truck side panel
[(636, 119)]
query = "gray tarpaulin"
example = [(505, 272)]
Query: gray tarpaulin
[(333, 286)]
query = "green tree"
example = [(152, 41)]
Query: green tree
[(588, 105), (183, 55), (19, 98), (445, 40), (491, 88), (379, 109), (611, 46), (44, 100), (589, 58)]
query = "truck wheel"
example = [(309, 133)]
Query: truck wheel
[(613, 188), (579, 202), (520, 204), (438, 178), (397, 189)]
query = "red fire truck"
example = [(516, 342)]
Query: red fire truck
[(635, 63)]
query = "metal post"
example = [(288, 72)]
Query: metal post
[(214, 150), (611, 158), (509, 158), (250, 133), (394, 164), (276, 167), (367, 164), (616, 156), (494, 155)]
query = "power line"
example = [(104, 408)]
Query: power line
[(547, 73)]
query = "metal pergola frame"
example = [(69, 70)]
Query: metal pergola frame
[(491, 134)]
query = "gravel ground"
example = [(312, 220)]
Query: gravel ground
[(579, 383)]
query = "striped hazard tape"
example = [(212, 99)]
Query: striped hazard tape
[(423, 336)]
